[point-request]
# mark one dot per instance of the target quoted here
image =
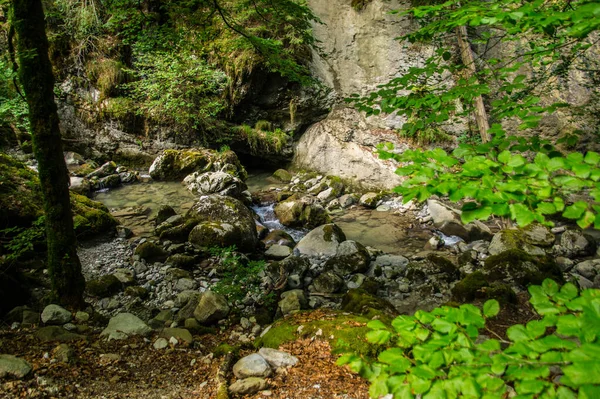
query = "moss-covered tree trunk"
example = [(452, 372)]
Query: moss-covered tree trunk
[(35, 73)]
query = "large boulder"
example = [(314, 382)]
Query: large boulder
[(253, 365), (222, 221), (215, 183), (176, 164), (321, 241), (512, 239), (54, 314), (448, 221)]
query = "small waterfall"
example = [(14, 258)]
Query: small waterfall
[(267, 216)]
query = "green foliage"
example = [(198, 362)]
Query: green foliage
[(441, 91), (13, 107), (239, 277), (440, 354), (525, 181), (19, 241), (261, 141), (177, 87)]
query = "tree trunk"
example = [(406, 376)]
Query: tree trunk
[(35, 73), (468, 60)]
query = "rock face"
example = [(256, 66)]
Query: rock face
[(125, 325), (324, 240), (176, 164), (222, 221)]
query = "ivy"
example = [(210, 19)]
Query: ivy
[(442, 354)]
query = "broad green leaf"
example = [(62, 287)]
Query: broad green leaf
[(549, 287), (530, 386), (581, 373), (576, 210), (378, 337), (518, 333), (592, 158), (443, 326), (378, 386), (586, 220), (521, 214), (376, 325), (491, 308)]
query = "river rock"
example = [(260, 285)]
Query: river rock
[(215, 183), (574, 243), (292, 301), (54, 314), (125, 276), (64, 353), (348, 199), (57, 334), (103, 286), (301, 213), (73, 158), (278, 237), (253, 365), (226, 221), (80, 185), (370, 200), (277, 358), (109, 181), (588, 269), (448, 221), (506, 240), (278, 252), (282, 175), (328, 283), (248, 386), (321, 241), (151, 252), (181, 334), (13, 366), (211, 308), (163, 214), (125, 325), (107, 169), (351, 257)]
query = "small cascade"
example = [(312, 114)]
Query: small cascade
[(266, 213)]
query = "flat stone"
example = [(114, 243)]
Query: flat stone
[(13, 366), (54, 314), (277, 358), (125, 325), (248, 386), (253, 365)]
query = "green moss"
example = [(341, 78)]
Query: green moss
[(90, 217), (344, 331), (224, 348), (362, 303), (470, 287), (20, 195), (524, 269)]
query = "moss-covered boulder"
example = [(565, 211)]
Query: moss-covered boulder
[(103, 286), (351, 257), (90, 217), (360, 302), (183, 261), (176, 164), (222, 219), (328, 283), (164, 213), (512, 239), (477, 286), (282, 175), (301, 213), (278, 237), (519, 269), (323, 240), (151, 252), (202, 183), (176, 232), (434, 268)]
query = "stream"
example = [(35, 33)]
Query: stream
[(135, 206)]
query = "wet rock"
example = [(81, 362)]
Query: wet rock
[(124, 232), (347, 200), (539, 235), (248, 386), (252, 365), (164, 213), (321, 241), (128, 177), (107, 169), (278, 252), (110, 181), (103, 286), (277, 358), (328, 282), (125, 325), (301, 213), (278, 237), (73, 158), (370, 200), (211, 308), (151, 252), (434, 268), (54, 314), (13, 366), (478, 285), (215, 183), (519, 269), (282, 175), (588, 269), (226, 220), (448, 221), (351, 257), (184, 297), (292, 301)]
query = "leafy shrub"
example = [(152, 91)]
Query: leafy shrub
[(441, 354), (511, 177), (260, 140), (18, 241), (239, 277)]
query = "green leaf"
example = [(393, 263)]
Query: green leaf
[(549, 287), (581, 373), (443, 326), (378, 337), (424, 372), (586, 220), (504, 157), (376, 325), (518, 333), (546, 208), (491, 308), (529, 386), (378, 386), (592, 158), (521, 214), (576, 210)]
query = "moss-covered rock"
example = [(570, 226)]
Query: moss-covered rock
[(278, 237), (90, 217), (222, 219), (301, 213), (176, 164), (103, 286), (182, 261), (20, 195), (360, 302), (512, 239), (518, 268), (434, 268), (164, 212), (177, 232), (479, 286), (351, 257), (151, 252), (282, 175), (323, 240), (328, 282)]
